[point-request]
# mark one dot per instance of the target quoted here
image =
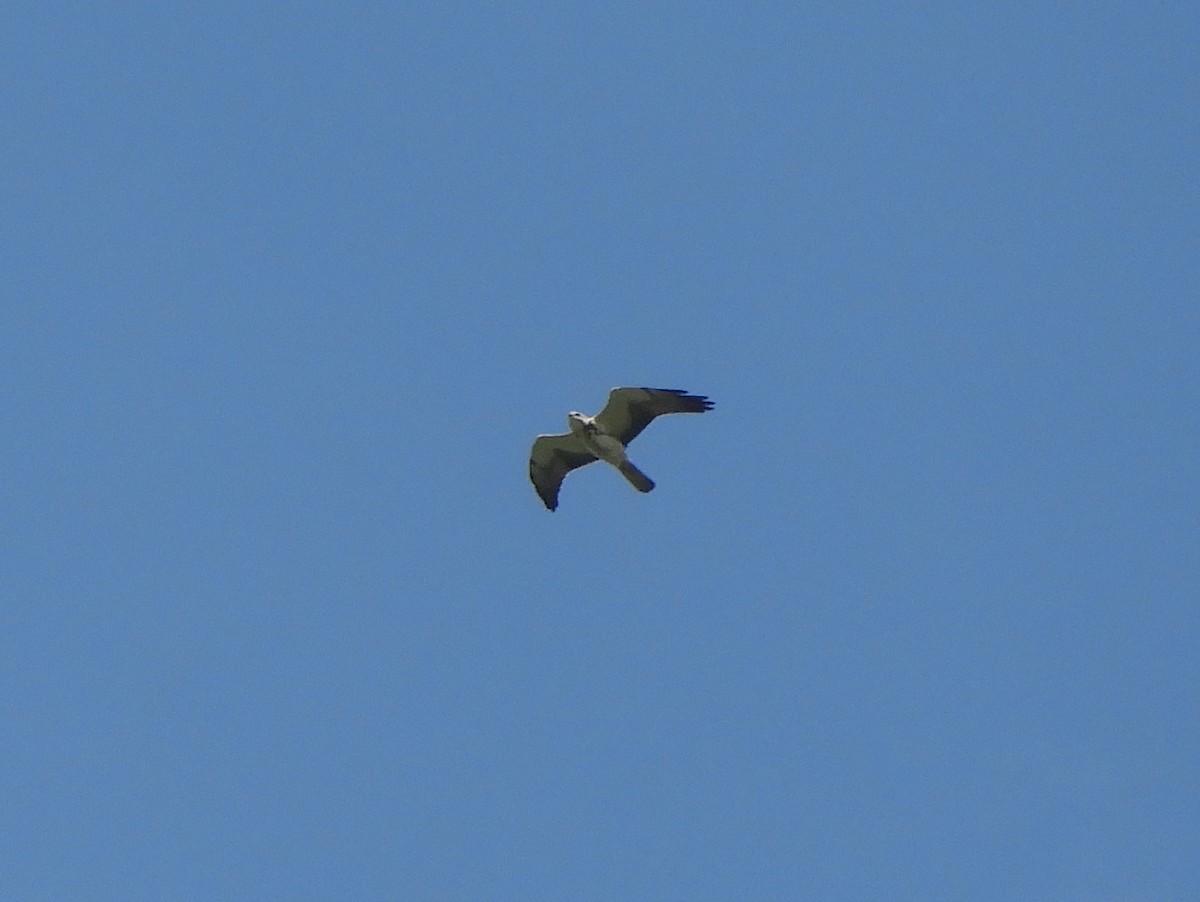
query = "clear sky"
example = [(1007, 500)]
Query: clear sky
[(288, 290)]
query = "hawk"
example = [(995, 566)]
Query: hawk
[(604, 437)]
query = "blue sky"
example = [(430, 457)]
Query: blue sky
[(289, 289)]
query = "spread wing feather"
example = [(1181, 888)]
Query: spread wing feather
[(552, 458), (630, 410)]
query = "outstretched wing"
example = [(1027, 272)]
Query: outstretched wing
[(552, 458), (630, 410)]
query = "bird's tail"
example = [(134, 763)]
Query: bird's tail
[(636, 477)]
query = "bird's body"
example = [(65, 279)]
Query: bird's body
[(607, 448), (605, 437)]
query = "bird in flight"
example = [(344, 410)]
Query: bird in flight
[(604, 437)]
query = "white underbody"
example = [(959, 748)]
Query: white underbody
[(606, 447)]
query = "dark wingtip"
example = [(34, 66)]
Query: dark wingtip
[(697, 403), (550, 501)]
